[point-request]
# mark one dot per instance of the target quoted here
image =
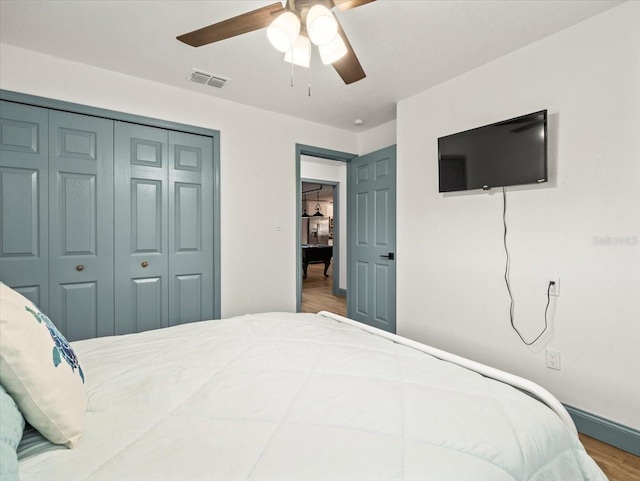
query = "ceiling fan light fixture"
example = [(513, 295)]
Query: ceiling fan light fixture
[(300, 54), (333, 51), (283, 31), (321, 25)]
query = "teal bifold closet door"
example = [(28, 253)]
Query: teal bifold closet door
[(141, 228), (24, 213), (81, 224), (106, 225), (190, 228), (163, 227)]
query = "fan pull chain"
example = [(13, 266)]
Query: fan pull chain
[(291, 74), (309, 75)]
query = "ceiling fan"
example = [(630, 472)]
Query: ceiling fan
[(291, 28)]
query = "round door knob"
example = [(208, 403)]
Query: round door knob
[(79, 267), (144, 263)]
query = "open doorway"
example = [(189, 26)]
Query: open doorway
[(322, 225), (320, 236), (305, 153)]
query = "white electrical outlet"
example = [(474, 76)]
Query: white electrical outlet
[(554, 289), (553, 359)]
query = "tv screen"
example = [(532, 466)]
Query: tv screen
[(511, 152)]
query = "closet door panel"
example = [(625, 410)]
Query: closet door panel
[(20, 233), (24, 159), (190, 227), (147, 303), (141, 228), (80, 224), (79, 304)]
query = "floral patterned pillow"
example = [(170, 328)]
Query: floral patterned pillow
[(40, 371)]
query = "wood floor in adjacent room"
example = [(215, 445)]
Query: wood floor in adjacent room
[(317, 296), (317, 292)]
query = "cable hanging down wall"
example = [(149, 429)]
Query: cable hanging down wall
[(508, 283)]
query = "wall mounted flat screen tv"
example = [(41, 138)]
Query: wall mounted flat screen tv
[(511, 152)]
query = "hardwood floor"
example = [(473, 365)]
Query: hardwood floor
[(317, 292), (317, 295), (618, 465)]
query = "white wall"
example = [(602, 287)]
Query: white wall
[(257, 164), (451, 291), (321, 169), (377, 138)]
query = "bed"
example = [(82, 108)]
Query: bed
[(283, 396)]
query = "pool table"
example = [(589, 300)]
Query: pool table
[(316, 254)]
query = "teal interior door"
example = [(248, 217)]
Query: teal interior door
[(190, 228), (80, 220), (372, 239), (24, 211)]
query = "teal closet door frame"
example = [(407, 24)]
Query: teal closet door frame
[(214, 135)]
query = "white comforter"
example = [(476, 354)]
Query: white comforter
[(298, 397)]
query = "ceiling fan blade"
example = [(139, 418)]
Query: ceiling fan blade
[(348, 67), (245, 23), (342, 5)]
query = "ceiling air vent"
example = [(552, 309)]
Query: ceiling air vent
[(205, 78)]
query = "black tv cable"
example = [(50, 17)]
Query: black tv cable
[(506, 279)]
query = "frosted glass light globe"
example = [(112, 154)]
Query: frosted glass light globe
[(300, 54), (321, 25), (283, 31)]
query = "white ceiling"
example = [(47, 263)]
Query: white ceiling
[(404, 46)]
